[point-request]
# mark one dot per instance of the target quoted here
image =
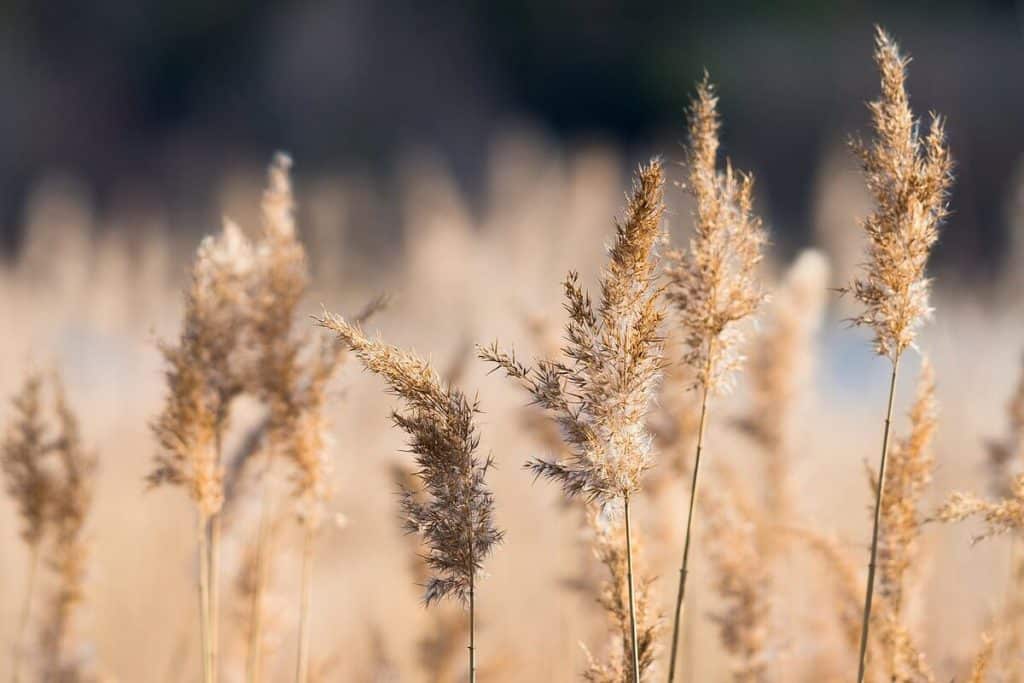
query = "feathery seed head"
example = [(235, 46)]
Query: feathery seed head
[(600, 393), (909, 177), (71, 500), (780, 366), (25, 445), (457, 520), (713, 284), (205, 370)]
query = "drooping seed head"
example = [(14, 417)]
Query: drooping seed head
[(457, 519)]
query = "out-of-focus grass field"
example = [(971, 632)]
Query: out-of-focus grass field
[(92, 299)]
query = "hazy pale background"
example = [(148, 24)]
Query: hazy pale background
[(464, 158)]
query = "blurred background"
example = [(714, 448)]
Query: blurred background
[(463, 156), (152, 104)]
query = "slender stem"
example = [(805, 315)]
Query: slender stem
[(26, 613), (472, 627), (254, 659), (684, 568), (302, 664), (632, 600), (214, 594), (879, 489), (204, 596), (213, 611)]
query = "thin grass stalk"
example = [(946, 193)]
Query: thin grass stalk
[(879, 490), (26, 613), (684, 568), (254, 657), (302, 663), (472, 626), (215, 524), (632, 600), (203, 567)]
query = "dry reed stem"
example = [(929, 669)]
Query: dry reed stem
[(609, 547), (910, 471), (712, 286), (909, 178)]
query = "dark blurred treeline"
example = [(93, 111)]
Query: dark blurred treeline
[(161, 98)]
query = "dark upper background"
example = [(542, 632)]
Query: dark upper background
[(162, 97)]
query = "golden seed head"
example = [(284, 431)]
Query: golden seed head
[(599, 394), (909, 177), (713, 284)]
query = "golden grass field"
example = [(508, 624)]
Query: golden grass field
[(91, 299)]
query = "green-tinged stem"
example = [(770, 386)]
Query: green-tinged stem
[(302, 664), (26, 613), (632, 600), (879, 490), (203, 566), (684, 568)]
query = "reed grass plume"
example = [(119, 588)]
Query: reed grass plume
[(51, 476), (441, 643), (780, 369), (712, 286), (457, 522), (68, 555), (204, 372), (909, 178), (601, 393), (25, 444)]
